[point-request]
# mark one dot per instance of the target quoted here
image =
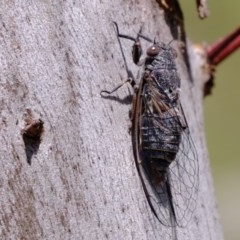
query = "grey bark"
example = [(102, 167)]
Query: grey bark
[(80, 181)]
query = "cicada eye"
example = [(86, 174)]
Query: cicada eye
[(153, 50)]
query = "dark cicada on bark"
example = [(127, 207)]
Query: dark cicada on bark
[(164, 152)]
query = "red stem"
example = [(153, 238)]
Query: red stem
[(220, 50)]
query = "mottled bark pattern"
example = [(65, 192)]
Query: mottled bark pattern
[(82, 183)]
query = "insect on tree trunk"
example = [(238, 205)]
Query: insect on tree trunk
[(67, 165)]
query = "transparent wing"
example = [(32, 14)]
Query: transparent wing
[(183, 177), (172, 197)]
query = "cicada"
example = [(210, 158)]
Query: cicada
[(164, 152)]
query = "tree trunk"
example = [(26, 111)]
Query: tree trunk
[(71, 174)]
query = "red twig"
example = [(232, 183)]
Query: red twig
[(220, 50)]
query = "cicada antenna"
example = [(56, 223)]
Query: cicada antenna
[(170, 42), (146, 38), (140, 35), (155, 41)]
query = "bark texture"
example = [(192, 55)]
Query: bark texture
[(71, 174)]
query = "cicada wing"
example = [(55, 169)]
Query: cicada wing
[(174, 197), (184, 179), (158, 195), (171, 197), (159, 198)]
